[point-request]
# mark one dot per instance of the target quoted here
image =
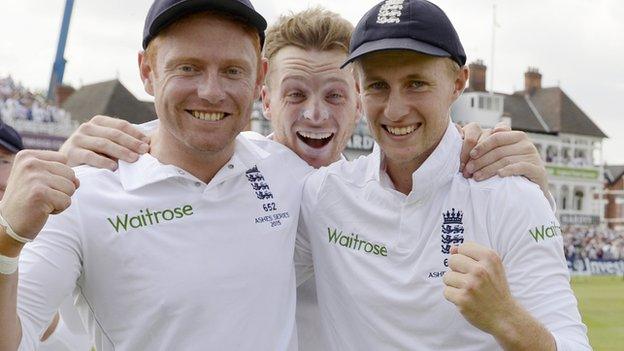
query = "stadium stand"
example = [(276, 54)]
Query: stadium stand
[(42, 125), (18, 103), (593, 243)]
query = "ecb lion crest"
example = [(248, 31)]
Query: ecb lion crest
[(258, 183), (452, 230)]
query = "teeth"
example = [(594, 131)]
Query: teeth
[(311, 135), (401, 130), (206, 116)]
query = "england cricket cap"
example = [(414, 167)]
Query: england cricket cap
[(162, 13), (415, 25), (10, 139)]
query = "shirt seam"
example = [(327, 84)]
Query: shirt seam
[(81, 242)]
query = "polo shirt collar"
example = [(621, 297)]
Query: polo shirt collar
[(437, 169), (148, 170)]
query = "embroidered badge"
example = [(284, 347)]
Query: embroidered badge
[(258, 183), (452, 230), (390, 12), (261, 189)]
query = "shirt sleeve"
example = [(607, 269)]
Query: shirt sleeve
[(48, 271), (552, 202), (303, 247), (529, 239)]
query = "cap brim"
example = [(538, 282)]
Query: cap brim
[(181, 9), (9, 147), (395, 44)]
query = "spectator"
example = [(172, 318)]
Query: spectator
[(18, 103), (593, 243)]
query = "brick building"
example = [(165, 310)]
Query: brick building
[(614, 196)]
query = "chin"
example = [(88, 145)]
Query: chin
[(403, 155), (314, 161)]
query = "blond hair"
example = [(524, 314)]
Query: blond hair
[(311, 29)]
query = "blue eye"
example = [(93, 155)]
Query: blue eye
[(186, 68), (234, 71), (295, 96), (377, 86)]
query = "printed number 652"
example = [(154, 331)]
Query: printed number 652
[(269, 207)]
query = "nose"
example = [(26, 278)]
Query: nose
[(315, 111), (395, 108), (211, 88)]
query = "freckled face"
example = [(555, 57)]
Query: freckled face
[(312, 103), (204, 78)]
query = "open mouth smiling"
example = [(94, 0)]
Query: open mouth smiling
[(315, 140)]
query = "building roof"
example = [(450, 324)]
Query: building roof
[(108, 98), (551, 108), (521, 115), (613, 173)]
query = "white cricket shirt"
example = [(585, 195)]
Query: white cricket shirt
[(70, 334), (158, 260), (379, 256)]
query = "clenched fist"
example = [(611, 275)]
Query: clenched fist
[(477, 285), (40, 184)]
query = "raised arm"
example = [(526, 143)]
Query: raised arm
[(477, 284), (518, 289), (40, 184), (104, 140)]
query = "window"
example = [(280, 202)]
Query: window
[(578, 200), (496, 104), (564, 197)]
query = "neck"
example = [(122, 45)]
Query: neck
[(204, 165), (401, 173)]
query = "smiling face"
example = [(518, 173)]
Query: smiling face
[(205, 74), (407, 98), (312, 104)]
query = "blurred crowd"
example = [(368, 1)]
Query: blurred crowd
[(593, 243), (18, 103)]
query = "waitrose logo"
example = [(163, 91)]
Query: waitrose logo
[(149, 217), (353, 242), (545, 232)]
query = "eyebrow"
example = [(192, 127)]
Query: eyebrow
[(302, 78), (417, 76), (199, 62), (179, 60), (413, 76)]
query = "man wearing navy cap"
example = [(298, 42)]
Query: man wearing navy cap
[(189, 248), (407, 253), (10, 144)]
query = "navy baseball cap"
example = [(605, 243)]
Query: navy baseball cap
[(162, 13), (415, 25), (10, 139)]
